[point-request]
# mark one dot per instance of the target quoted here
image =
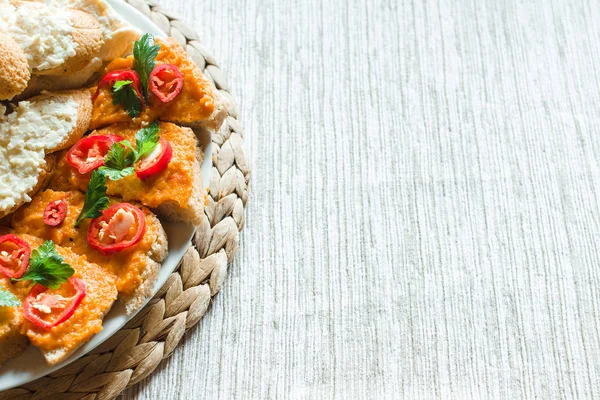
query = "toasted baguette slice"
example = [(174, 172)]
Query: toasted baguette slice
[(12, 341), (88, 39), (14, 68), (80, 33), (42, 181), (198, 105), (82, 98), (57, 343), (54, 83), (176, 193), (136, 267), (38, 127)]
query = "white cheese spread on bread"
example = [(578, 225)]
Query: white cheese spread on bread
[(43, 32), (25, 135)]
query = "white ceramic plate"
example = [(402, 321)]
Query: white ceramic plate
[(30, 365)]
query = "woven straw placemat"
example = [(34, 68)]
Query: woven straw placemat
[(135, 351)]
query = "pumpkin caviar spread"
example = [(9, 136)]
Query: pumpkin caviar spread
[(195, 102), (174, 185), (128, 264)]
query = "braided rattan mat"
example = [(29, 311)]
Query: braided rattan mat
[(135, 351)]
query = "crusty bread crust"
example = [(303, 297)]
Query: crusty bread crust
[(154, 258), (14, 69), (84, 113), (42, 182), (45, 176), (54, 83), (12, 342)]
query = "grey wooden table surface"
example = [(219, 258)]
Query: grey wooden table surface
[(424, 214)]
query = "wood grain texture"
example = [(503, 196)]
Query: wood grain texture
[(424, 211)]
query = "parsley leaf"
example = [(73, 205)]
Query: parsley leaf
[(124, 94), (121, 157), (47, 267), (7, 299), (119, 85), (146, 140), (95, 198), (116, 174), (144, 53), (118, 161)]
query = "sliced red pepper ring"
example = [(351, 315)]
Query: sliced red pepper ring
[(55, 212), (122, 75), (88, 153), (14, 256), (118, 228), (47, 308), (155, 162), (166, 82)]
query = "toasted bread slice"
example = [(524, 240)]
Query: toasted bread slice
[(55, 40), (42, 180), (136, 267), (57, 343), (14, 68), (12, 341), (88, 39), (176, 193), (38, 127), (198, 105), (54, 83), (82, 99)]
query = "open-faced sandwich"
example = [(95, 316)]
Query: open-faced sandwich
[(97, 146)]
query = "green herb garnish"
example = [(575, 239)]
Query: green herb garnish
[(47, 267), (118, 162), (124, 94), (146, 140), (121, 157), (7, 299), (95, 198), (144, 54)]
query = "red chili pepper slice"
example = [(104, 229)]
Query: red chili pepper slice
[(166, 82), (88, 153), (122, 75), (55, 212), (47, 308), (155, 162), (120, 227), (14, 256)]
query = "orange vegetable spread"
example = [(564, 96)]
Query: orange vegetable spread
[(174, 185), (11, 318), (196, 101), (87, 319), (128, 264)]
